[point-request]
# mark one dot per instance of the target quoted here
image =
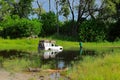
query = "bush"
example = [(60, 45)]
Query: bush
[(92, 30), (15, 27), (114, 33), (64, 37), (66, 31), (66, 28)]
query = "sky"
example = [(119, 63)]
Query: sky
[(45, 6)]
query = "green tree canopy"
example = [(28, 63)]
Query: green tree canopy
[(49, 21)]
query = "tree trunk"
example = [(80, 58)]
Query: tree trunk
[(71, 9), (49, 6), (57, 17), (39, 9)]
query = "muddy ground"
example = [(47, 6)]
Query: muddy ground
[(43, 75)]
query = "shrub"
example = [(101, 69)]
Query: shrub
[(66, 31), (66, 28), (92, 30), (15, 27)]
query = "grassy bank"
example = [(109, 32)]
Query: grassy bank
[(91, 68), (31, 44), (19, 44)]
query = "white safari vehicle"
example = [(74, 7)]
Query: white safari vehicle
[(49, 45)]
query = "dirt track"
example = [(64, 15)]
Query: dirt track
[(4, 75), (44, 75)]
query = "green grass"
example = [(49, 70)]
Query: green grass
[(32, 44), (101, 45), (19, 44), (107, 68), (16, 64), (20, 64)]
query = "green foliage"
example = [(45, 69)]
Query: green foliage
[(35, 61), (9, 7), (64, 8), (110, 11), (64, 37), (49, 21), (14, 27), (92, 30), (16, 64), (38, 11), (5, 8), (110, 6), (23, 8), (66, 28), (65, 32), (92, 68), (114, 32)]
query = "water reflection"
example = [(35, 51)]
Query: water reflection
[(61, 64), (57, 64), (55, 76), (56, 60), (60, 60), (49, 54), (13, 53)]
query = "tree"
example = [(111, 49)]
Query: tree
[(57, 13), (84, 9), (64, 8), (109, 10), (23, 8), (49, 5), (5, 9), (112, 10), (16, 7), (49, 21), (39, 10), (71, 6)]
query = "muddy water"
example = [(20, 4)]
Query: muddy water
[(13, 53), (60, 60), (57, 60)]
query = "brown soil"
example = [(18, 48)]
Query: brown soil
[(41, 75), (5, 75)]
